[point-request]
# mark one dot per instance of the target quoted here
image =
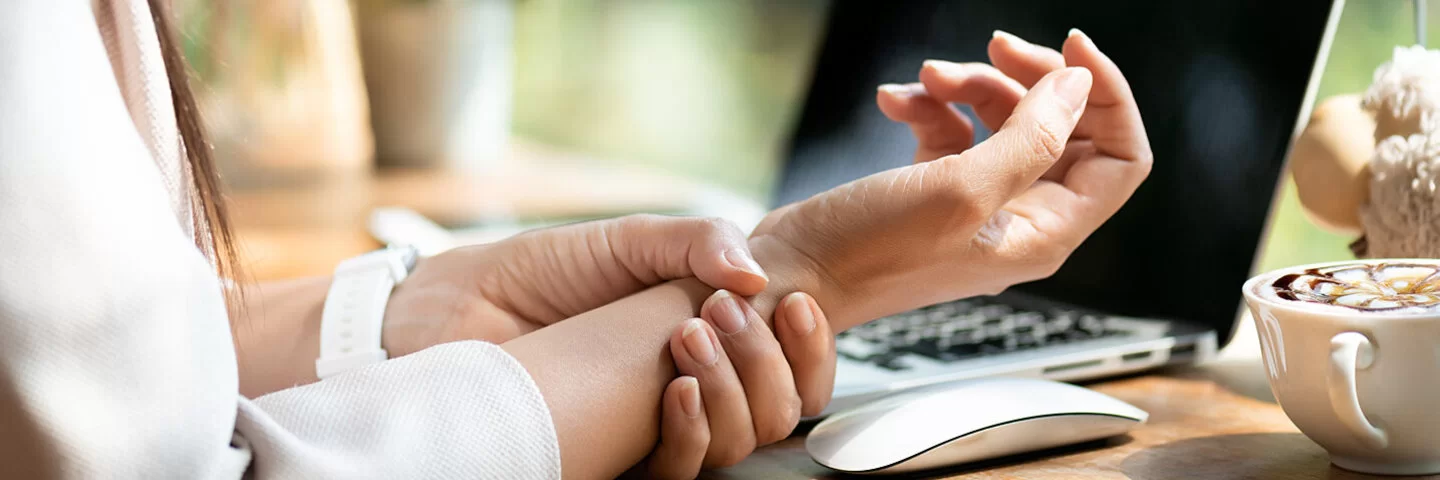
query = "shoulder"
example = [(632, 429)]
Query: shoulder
[(73, 168), (58, 80)]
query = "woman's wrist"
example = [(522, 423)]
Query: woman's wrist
[(278, 338), (791, 270)]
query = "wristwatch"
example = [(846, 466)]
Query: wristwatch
[(354, 313)]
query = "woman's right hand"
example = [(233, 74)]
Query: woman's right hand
[(964, 221), (740, 387)]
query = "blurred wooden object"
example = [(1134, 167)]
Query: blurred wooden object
[(1330, 163), (438, 75), (287, 230), (283, 92)]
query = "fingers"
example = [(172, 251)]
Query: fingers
[(1114, 127), (1109, 164), (1027, 63), (1023, 61), (939, 129), (698, 353), (1029, 143), (993, 91), (684, 432), (988, 91), (809, 346), (656, 248), (760, 363)]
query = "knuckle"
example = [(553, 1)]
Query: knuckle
[(636, 221), (714, 226), (791, 418), (786, 418), (1146, 160), (1049, 259), (1047, 141), (1048, 269)]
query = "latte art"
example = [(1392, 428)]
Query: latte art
[(1369, 287)]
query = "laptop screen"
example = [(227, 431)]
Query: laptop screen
[(1220, 86)]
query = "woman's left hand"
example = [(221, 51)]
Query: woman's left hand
[(1068, 150), (740, 386), (499, 291)]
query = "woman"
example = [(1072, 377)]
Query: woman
[(116, 359)]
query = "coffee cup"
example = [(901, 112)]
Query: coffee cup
[(1352, 351)]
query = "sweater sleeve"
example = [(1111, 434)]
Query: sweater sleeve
[(361, 425), (116, 358)]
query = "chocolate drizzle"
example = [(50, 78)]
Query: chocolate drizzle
[(1361, 286)]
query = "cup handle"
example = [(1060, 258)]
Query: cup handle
[(1349, 352)]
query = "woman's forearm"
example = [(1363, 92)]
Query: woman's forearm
[(277, 335), (602, 372)]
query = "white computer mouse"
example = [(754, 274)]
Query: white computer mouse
[(966, 421)]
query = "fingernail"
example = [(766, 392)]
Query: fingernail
[(725, 312), (740, 258), (894, 89), (1075, 32), (947, 68), (1073, 86), (690, 396), (698, 344), (1014, 40), (798, 313), (903, 90), (941, 65)]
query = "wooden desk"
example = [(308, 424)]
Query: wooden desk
[(1208, 422), (303, 229), (1198, 429)]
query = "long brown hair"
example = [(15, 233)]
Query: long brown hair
[(210, 217)]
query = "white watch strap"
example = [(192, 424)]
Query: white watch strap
[(352, 321)]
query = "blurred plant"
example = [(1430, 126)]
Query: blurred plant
[(705, 89)]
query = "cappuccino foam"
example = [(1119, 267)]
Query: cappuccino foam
[(1371, 287)]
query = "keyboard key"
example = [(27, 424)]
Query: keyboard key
[(938, 349), (929, 347), (963, 351), (1026, 340), (930, 331), (856, 349), (994, 310), (891, 361), (964, 329), (1025, 319)]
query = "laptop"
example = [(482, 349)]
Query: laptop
[(1221, 86)]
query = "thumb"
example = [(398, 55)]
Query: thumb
[(658, 248), (1030, 141)]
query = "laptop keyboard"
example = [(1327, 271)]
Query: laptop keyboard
[(965, 329)]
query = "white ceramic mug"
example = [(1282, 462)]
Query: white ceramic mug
[(1363, 385)]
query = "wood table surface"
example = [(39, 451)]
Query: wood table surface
[(1197, 429), (1208, 422)]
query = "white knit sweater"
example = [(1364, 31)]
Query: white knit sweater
[(115, 351)]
